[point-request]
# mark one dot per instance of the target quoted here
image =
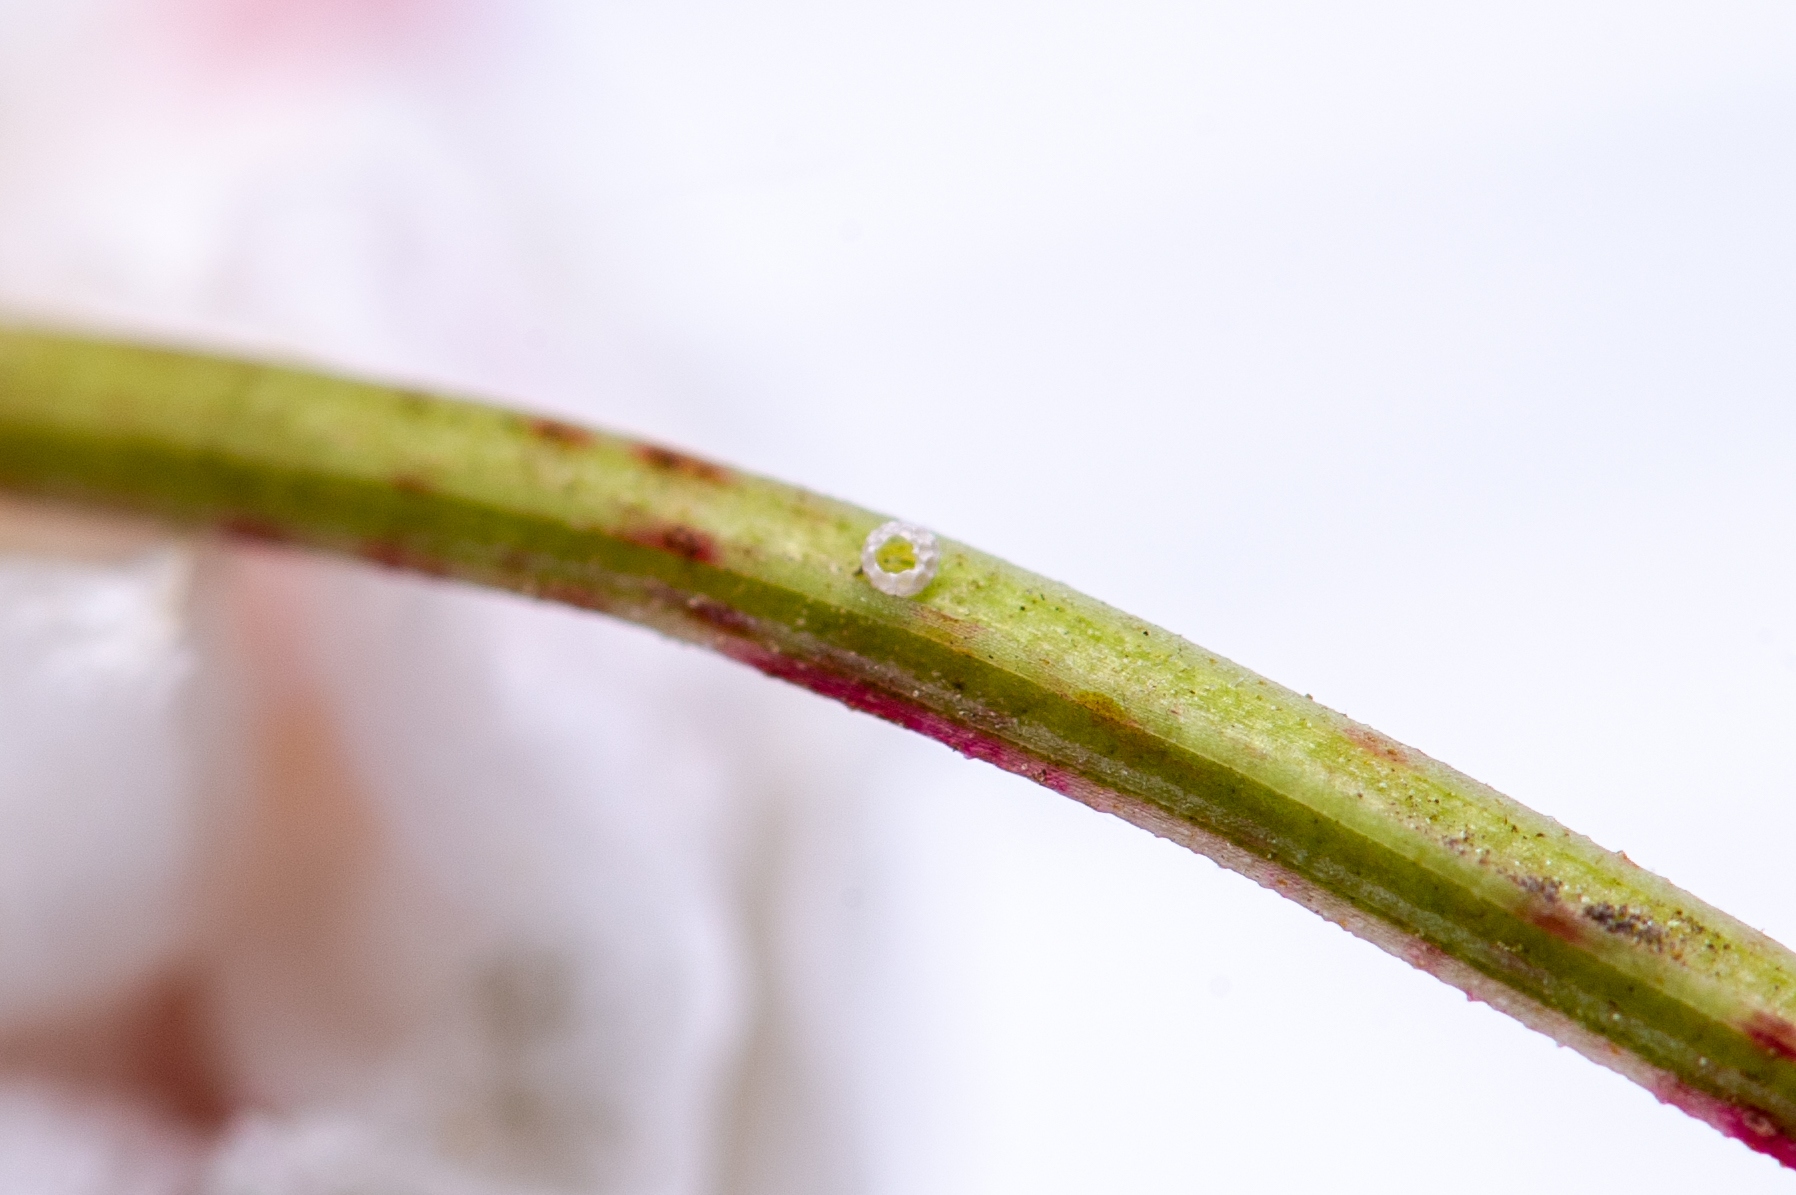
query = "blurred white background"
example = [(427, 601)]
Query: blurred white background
[(1434, 360)]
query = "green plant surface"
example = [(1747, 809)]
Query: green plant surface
[(996, 662)]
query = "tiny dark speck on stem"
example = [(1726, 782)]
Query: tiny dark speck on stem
[(557, 432), (657, 457)]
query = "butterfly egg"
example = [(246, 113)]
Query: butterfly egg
[(926, 558)]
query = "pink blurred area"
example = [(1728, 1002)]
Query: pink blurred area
[(1435, 362), (234, 38)]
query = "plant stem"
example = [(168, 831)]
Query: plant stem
[(996, 662)]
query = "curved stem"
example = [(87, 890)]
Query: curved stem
[(996, 662)]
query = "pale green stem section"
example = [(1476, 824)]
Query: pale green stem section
[(997, 662)]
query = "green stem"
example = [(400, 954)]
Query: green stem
[(998, 663)]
